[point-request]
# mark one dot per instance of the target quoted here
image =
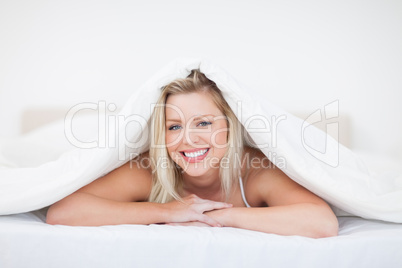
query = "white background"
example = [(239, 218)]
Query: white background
[(301, 55)]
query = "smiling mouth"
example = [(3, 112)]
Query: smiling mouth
[(195, 154)]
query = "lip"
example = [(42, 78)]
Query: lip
[(194, 159)]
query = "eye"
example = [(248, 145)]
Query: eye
[(174, 127), (204, 123)]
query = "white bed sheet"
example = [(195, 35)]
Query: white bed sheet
[(26, 241)]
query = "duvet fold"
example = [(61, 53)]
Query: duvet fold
[(306, 154)]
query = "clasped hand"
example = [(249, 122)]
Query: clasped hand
[(191, 211)]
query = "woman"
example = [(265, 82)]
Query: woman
[(198, 171)]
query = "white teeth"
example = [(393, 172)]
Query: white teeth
[(195, 154)]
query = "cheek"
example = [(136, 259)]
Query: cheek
[(221, 138), (172, 140)]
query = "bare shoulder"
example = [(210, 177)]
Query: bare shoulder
[(269, 185), (130, 182), (258, 170)]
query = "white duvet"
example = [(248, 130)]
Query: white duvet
[(304, 153)]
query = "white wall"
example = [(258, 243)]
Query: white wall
[(301, 54)]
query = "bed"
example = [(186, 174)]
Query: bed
[(27, 241)]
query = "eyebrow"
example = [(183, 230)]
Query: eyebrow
[(195, 118)]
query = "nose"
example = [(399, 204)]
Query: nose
[(190, 137)]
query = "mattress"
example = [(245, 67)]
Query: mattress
[(27, 241)]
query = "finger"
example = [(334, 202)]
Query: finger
[(211, 205), (198, 223), (180, 223), (173, 224), (208, 220), (190, 223)]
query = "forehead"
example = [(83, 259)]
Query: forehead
[(189, 105)]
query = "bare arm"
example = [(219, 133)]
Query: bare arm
[(298, 219), (292, 210), (108, 200), (120, 198), (84, 209)]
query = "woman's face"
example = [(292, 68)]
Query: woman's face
[(196, 133)]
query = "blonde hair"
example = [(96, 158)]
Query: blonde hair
[(167, 175)]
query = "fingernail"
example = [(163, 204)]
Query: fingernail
[(219, 225)]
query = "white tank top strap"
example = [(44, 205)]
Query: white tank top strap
[(242, 192)]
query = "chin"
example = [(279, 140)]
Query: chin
[(197, 169), (196, 172)]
